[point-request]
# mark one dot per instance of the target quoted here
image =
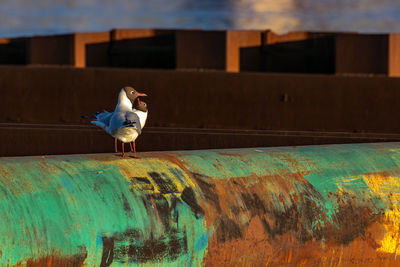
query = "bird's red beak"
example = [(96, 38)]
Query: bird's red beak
[(141, 94)]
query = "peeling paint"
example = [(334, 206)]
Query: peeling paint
[(332, 205)]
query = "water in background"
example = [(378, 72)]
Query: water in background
[(42, 17)]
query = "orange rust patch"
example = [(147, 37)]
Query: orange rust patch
[(245, 240), (253, 249), (50, 261)]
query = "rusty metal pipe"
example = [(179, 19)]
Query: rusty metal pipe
[(335, 205)]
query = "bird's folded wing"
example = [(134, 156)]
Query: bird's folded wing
[(132, 119), (125, 119)]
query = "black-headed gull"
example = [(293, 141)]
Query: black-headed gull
[(128, 119)]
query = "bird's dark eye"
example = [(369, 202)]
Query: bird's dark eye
[(131, 92)]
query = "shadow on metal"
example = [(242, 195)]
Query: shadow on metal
[(335, 205)]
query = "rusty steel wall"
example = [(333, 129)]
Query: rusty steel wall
[(228, 50), (204, 99), (335, 205)]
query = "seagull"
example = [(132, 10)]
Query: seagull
[(128, 119)]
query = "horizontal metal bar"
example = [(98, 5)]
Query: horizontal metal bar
[(327, 134)]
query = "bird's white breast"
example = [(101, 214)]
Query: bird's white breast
[(126, 134), (142, 117)]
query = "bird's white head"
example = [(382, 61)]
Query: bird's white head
[(127, 97)]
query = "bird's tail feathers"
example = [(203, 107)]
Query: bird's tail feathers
[(100, 124), (101, 115), (96, 115), (91, 117)]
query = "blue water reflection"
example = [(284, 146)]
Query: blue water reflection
[(23, 17)]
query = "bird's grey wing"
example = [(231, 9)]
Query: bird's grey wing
[(125, 119), (132, 120)]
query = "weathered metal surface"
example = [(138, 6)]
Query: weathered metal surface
[(291, 102), (332, 205)]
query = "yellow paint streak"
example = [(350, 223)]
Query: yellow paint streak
[(142, 168), (351, 179), (391, 241), (388, 189)]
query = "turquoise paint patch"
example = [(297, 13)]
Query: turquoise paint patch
[(202, 242), (66, 184), (342, 167), (99, 241), (67, 208)]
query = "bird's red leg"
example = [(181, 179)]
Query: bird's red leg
[(123, 153), (115, 145), (134, 149), (130, 144)]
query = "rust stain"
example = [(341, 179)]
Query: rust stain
[(52, 261), (275, 245), (295, 197)]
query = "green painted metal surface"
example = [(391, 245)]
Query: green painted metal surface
[(245, 207)]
